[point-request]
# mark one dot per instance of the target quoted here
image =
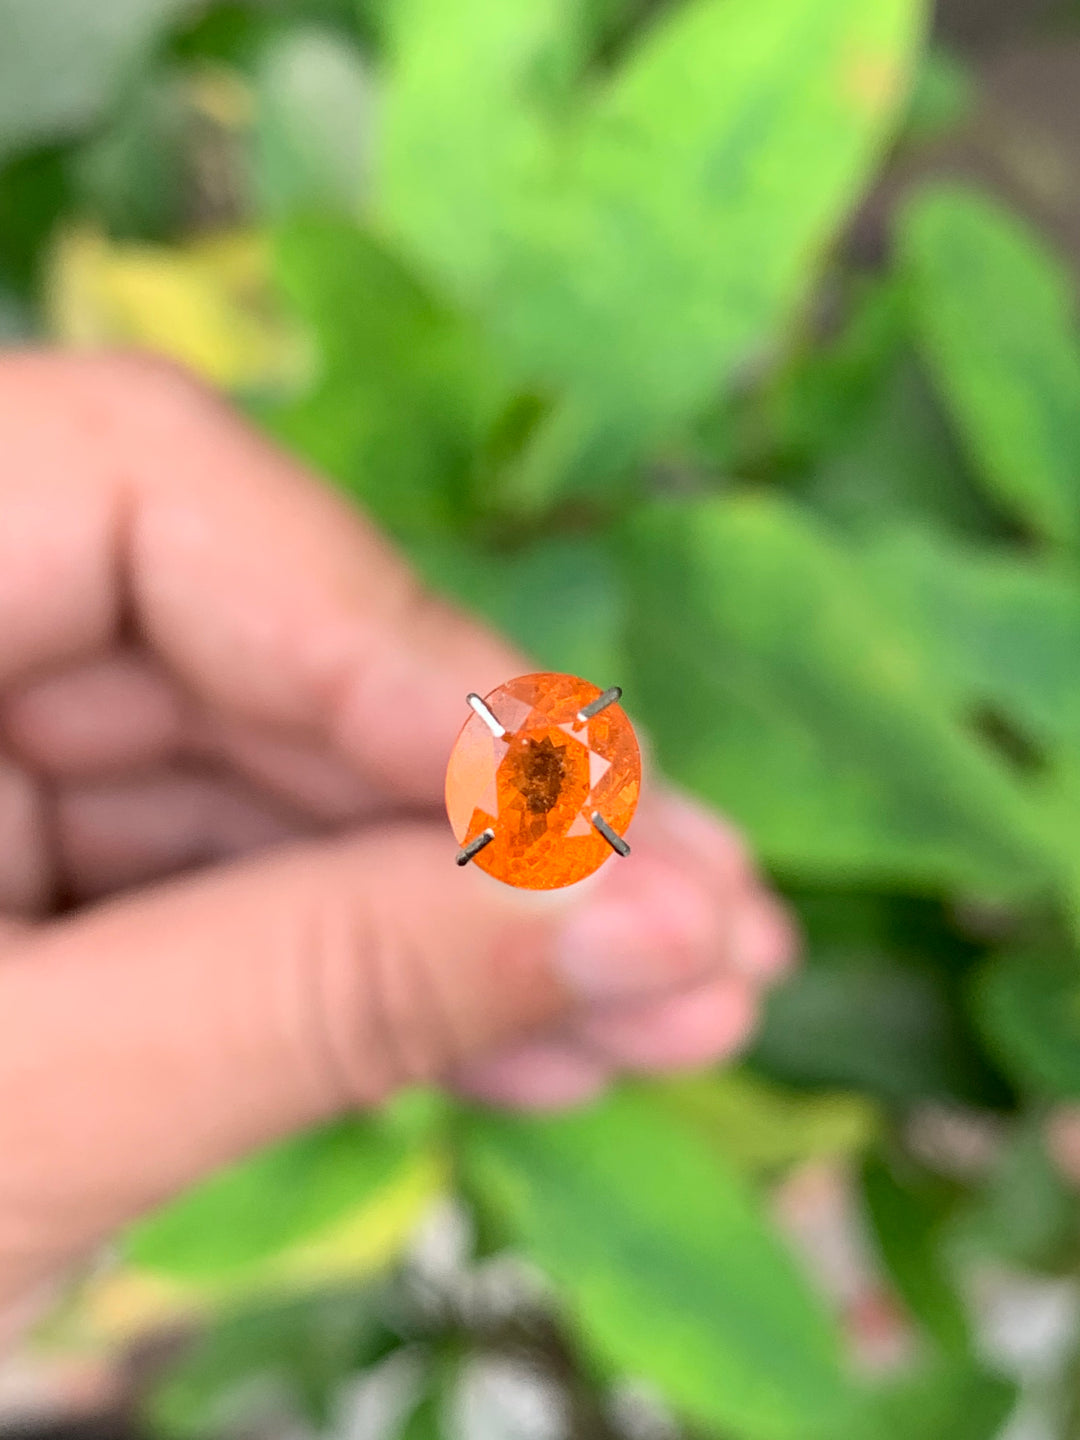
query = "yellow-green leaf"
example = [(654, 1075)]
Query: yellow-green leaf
[(631, 243)]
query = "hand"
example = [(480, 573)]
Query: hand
[(209, 664)]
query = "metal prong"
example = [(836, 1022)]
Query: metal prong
[(601, 702), (490, 719), (617, 843), (475, 846)]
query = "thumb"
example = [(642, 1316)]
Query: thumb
[(157, 1037)]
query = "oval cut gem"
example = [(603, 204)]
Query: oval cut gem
[(539, 785)]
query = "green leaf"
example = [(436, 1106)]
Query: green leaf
[(667, 1268), (252, 1210), (1028, 1004), (632, 244), (1025, 1214), (896, 461), (764, 1129), (426, 1420), (289, 1357), (126, 176), (854, 420), (909, 1218), (820, 391), (61, 62), (864, 1020), (404, 395), (559, 599), (998, 633), (775, 685), (994, 316), (34, 195), (957, 1399), (313, 125), (465, 126), (942, 99), (995, 629)]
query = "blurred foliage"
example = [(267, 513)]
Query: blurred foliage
[(666, 1266), (559, 290)]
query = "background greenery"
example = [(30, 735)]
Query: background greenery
[(565, 292)]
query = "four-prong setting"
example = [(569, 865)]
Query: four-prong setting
[(466, 853), (602, 701), (487, 715), (543, 781), (617, 843)]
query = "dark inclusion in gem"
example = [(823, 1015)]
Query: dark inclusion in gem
[(543, 770), (537, 788)]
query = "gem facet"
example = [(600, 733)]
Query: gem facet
[(539, 785)]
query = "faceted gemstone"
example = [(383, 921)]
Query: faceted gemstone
[(539, 786)]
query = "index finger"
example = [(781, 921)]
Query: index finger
[(131, 499)]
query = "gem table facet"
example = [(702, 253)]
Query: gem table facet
[(539, 785)]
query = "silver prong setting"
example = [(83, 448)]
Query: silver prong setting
[(488, 716), (617, 843), (473, 848), (609, 697)]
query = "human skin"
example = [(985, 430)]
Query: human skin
[(228, 903)]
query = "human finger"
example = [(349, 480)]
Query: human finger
[(155, 1037), (135, 501)]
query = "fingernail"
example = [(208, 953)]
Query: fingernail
[(660, 935), (763, 938), (684, 1031), (543, 1075)]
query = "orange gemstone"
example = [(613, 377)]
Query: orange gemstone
[(539, 785)]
